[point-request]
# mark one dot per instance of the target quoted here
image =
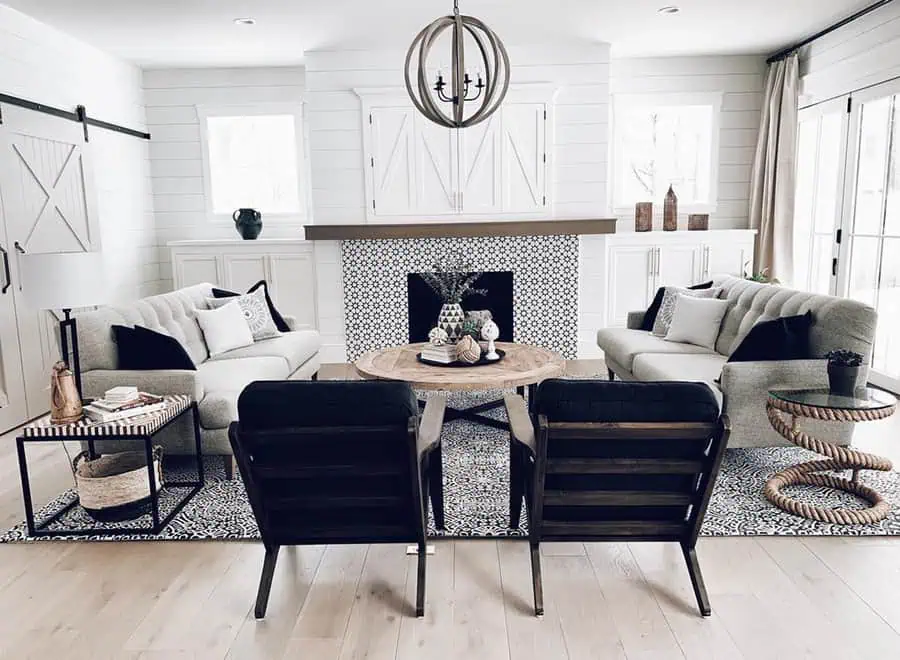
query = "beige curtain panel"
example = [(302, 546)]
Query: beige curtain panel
[(772, 182)]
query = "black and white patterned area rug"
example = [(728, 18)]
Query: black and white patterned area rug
[(476, 490)]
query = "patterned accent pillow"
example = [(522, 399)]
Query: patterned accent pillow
[(667, 308), (256, 311)]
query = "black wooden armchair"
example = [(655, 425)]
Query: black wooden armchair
[(617, 462), (335, 462)]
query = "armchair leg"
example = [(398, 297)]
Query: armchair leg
[(265, 581), (693, 566), (516, 483), (536, 583), (436, 486), (420, 581), (611, 373), (229, 467)]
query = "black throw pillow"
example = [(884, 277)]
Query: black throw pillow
[(785, 338), (280, 323), (142, 349), (653, 309)]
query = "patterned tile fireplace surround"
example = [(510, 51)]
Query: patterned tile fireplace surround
[(545, 286)]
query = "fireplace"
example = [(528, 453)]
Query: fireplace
[(424, 304), (534, 278)]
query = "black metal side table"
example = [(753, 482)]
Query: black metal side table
[(135, 429)]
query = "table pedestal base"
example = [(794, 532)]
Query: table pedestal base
[(810, 473)]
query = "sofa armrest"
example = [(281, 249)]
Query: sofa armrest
[(635, 319), (163, 381), (755, 379)]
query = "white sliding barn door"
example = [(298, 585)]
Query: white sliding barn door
[(48, 194), (392, 161), (13, 408), (524, 153)]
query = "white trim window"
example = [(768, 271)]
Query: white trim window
[(254, 157), (666, 139)]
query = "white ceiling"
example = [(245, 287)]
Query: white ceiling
[(178, 33)]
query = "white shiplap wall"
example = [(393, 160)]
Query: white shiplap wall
[(40, 63), (864, 53), (172, 97), (741, 80), (581, 137)]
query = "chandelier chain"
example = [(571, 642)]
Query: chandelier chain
[(456, 7)]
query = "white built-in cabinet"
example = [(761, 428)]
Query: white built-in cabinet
[(417, 168), (288, 266), (637, 264)]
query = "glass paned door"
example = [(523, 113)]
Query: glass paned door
[(872, 272), (821, 149)]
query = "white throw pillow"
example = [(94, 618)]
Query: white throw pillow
[(697, 321), (224, 329), (667, 307), (255, 310)]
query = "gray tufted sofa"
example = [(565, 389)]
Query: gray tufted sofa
[(742, 387), (216, 383)]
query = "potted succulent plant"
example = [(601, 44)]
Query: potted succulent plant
[(844, 369), (452, 279)]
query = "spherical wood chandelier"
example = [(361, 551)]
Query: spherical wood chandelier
[(489, 90)]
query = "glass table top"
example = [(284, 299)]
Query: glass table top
[(866, 398)]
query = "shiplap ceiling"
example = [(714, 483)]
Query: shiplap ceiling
[(167, 33)]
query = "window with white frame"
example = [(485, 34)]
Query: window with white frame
[(662, 140), (253, 156)]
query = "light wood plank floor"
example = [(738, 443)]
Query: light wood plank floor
[(771, 597)]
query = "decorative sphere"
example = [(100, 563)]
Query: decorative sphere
[(438, 337), (468, 350), (490, 331)]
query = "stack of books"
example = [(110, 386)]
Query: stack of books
[(445, 354), (123, 403)]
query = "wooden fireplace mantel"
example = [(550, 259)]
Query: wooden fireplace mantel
[(460, 229)]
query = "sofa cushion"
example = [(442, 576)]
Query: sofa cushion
[(141, 349), (224, 380), (295, 348), (785, 338), (170, 313), (650, 315), (277, 318), (704, 368), (839, 322), (622, 345)]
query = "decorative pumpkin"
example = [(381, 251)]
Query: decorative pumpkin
[(438, 337), (468, 350)]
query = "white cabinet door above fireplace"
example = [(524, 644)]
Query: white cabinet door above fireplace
[(419, 169)]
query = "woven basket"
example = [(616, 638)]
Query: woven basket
[(116, 487)]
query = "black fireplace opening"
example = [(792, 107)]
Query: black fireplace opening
[(424, 304)]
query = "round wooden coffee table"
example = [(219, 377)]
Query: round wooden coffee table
[(524, 365), (784, 408)]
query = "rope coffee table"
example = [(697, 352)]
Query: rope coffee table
[(784, 408)]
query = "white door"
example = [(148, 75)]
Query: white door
[(435, 172), (13, 408), (45, 179), (392, 161), (524, 157), (631, 273), (677, 265), (821, 148), (725, 259), (480, 167), (871, 267)]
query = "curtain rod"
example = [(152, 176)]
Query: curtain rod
[(79, 115), (780, 55)]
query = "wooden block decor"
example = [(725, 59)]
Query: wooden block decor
[(698, 222), (643, 216)]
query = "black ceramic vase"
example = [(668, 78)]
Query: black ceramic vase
[(248, 222), (843, 380)]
